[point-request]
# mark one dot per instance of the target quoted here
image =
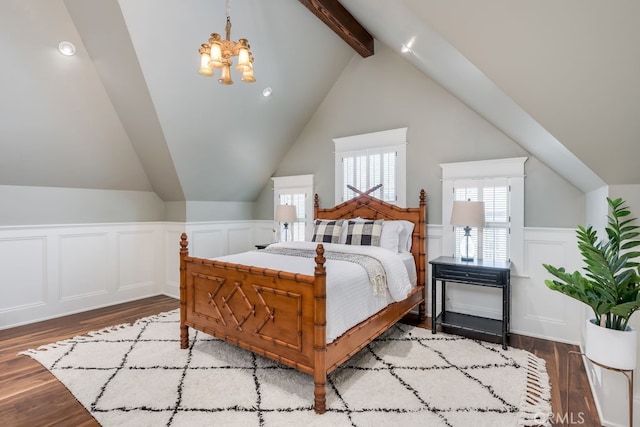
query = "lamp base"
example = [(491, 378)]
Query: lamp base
[(467, 246)]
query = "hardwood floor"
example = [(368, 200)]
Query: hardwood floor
[(31, 396)]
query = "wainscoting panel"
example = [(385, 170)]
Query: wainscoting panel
[(240, 239), (264, 232), (49, 271), (539, 311), (137, 263), (23, 273), (207, 243), (83, 265), (171, 250)]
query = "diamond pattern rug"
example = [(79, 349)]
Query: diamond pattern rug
[(137, 375)]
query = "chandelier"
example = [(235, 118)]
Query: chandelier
[(218, 53)]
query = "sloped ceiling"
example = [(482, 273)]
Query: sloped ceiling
[(574, 66), (559, 78), (129, 111)]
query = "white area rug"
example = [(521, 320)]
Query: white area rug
[(137, 375)]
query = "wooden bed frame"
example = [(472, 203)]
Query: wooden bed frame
[(282, 315)]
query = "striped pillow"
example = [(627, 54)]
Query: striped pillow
[(327, 231), (364, 233)]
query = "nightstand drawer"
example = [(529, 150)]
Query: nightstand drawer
[(469, 274)]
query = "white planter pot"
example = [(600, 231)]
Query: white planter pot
[(609, 347)]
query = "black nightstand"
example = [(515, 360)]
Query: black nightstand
[(495, 274), (262, 245)]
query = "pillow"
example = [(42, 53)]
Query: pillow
[(327, 231), (406, 236), (390, 236), (364, 233), (343, 236)]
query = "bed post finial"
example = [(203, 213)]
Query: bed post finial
[(320, 259), (184, 244), (423, 197), (316, 201), (184, 329)]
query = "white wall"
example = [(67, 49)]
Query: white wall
[(49, 271), (385, 92), (25, 205)]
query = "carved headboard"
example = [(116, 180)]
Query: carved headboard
[(366, 206)]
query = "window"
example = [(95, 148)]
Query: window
[(500, 185), (368, 168), (297, 191), (295, 231), (364, 161), (493, 242)]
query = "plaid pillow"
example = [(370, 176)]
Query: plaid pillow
[(327, 231), (364, 233)]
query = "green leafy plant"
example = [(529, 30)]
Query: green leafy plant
[(611, 284)]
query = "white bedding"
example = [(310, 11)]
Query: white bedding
[(350, 296)]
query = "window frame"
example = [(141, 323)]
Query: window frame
[(295, 184), (513, 170), (388, 140)]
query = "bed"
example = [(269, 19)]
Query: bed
[(281, 314)]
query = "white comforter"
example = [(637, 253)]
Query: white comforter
[(350, 296)]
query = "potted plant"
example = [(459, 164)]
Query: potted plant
[(610, 286)]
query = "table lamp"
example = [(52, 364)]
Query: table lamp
[(285, 214), (467, 214)]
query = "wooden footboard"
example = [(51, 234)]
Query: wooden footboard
[(276, 314)]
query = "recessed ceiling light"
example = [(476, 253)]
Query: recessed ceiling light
[(67, 48), (405, 48), (267, 92)]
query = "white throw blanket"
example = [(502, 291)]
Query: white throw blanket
[(371, 265)]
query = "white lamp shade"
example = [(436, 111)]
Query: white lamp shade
[(205, 70), (285, 213), (243, 60), (467, 214), (216, 55)]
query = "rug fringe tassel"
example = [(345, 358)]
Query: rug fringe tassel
[(536, 409), (88, 335)]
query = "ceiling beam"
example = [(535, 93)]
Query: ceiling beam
[(336, 17)]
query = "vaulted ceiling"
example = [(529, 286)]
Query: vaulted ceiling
[(129, 111)]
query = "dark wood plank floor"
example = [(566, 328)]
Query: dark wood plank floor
[(31, 396)]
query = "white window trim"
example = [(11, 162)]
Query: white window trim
[(513, 169), (393, 138), (296, 184)]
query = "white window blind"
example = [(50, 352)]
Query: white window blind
[(365, 169), (366, 160), (493, 242)]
